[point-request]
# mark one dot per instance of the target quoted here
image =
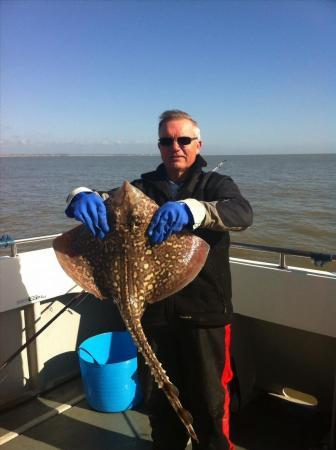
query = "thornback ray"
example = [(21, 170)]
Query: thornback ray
[(128, 268)]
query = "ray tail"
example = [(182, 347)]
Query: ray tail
[(159, 374)]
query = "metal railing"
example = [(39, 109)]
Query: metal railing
[(14, 243), (319, 258)]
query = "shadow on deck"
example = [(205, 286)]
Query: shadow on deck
[(267, 423)]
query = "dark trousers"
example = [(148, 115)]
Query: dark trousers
[(197, 361)]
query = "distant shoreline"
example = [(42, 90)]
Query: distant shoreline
[(61, 155), (71, 155)]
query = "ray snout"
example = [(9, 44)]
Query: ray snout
[(119, 196), (126, 195)]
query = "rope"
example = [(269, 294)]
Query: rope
[(320, 259), (6, 240)]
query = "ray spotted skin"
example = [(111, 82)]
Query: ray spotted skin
[(126, 267)]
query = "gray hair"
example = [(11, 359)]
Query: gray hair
[(176, 114)]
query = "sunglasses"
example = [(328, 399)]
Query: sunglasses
[(182, 140)]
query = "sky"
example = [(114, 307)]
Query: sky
[(85, 76)]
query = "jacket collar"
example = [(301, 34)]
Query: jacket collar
[(161, 173), (160, 179)]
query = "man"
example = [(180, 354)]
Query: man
[(189, 331)]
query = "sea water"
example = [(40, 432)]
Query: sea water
[(293, 196)]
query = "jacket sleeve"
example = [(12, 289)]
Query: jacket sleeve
[(104, 194), (78, 190), (228, 211)]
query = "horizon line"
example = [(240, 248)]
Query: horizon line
[(61, 154)]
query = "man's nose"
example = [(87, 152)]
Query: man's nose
[(175, 145)]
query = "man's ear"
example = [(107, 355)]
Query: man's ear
[(200, 143)]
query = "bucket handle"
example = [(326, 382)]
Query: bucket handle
[(87, 351)]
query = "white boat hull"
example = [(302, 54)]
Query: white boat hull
[(284, 327)]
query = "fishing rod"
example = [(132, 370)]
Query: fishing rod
[(32, 338), (215, 169)]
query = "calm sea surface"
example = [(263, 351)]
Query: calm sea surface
[(293, 196)]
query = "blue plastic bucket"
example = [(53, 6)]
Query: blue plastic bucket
[(108, 364)]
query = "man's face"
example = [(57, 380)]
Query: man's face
[(178, 158)]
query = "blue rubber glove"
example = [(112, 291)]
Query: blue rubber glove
[(171, 218), (89, 208)]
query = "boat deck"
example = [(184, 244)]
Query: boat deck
[(61, 419)]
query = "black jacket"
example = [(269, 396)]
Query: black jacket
[(206, 301)]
